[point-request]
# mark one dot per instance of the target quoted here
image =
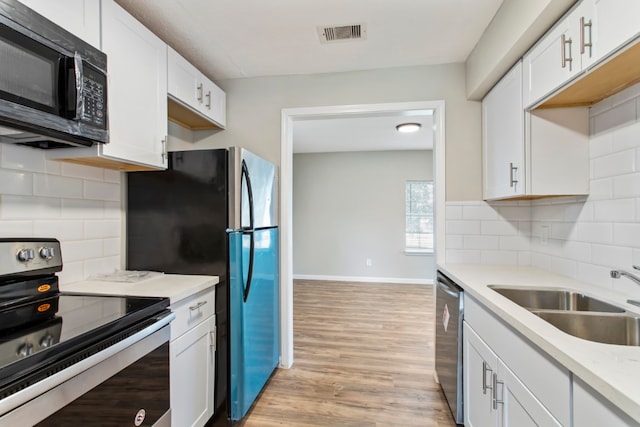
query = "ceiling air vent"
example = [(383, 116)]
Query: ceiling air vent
[(342, 33)]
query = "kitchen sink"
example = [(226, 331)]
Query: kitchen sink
[(603, 328), (555, 299)]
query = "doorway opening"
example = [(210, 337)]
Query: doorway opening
[(289, 118)]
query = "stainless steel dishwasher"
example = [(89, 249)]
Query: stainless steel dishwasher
[(449, 316)]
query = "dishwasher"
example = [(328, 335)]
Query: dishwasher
[(449, 316)]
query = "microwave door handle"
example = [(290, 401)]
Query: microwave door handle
[(75, 88)]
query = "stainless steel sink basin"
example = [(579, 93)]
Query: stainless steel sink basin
[(554, 299), (608, 329)]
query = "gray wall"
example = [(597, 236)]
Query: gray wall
[(254, 107), (348, 207)]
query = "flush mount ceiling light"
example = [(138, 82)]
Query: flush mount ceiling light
[(408, 127)]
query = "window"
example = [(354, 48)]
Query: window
[(419, 216)]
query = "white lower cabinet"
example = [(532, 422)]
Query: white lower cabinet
[(192, 360), (591, 409), (508, 381), (493, 395)]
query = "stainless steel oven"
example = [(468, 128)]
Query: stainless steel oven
[(73, 359), (448, 326), (52, 84)]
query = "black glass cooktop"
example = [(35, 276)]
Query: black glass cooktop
[(55, 331)]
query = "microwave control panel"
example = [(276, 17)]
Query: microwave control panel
[(94, 92)]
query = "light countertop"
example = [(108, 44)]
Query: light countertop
[(612, 370), (173, 286)]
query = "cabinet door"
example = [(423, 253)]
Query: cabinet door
[(137, 88), (192, 359), (80, 17), (615, 23), (503, 138), (183, 80), (214, 102), (480, 363), (553, 61), (517, 406), (590, 408)]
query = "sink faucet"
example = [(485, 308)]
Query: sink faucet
[(616, 274)]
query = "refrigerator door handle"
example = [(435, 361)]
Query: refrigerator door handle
[(247, 177), (247, 287)]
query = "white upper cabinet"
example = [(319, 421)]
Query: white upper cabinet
[(195, 101), (556, 58), (615, 22), (80, 17), (137, 65), (137, 97), (503, 138)]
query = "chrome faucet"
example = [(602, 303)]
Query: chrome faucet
[(616, 274)]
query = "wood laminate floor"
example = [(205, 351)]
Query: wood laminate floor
[(363, 357)]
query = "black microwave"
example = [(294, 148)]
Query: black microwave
[(53, 85)]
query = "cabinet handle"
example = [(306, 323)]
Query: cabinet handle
[(164, 149), (208, 104), (485, 369), (495, 399), (583, 44), (564, 41), (197, 306), (212, 337), (200, 92), (513, 170)]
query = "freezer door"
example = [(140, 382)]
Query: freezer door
[(254, 314), (253, 191)]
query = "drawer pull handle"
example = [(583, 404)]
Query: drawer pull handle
[(197, 306), (485, 369), (495, 399)]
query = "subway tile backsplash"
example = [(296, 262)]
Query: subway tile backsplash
[(79, 205), (581, 237)]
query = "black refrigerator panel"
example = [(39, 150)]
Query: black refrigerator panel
[(177, 218), (176, 223)]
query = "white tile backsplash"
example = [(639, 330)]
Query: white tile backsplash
[(79, 205), (583, 238)]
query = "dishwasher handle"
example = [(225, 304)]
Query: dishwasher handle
[(448, 289)]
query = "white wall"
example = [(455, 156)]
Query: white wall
[(79, 205), (348, 207), (255, 105), (583, 238)]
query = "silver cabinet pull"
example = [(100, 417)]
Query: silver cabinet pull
[(495, 399), (485, 369), (564, 41), (513, 170), (200, 92), (583, 44), (208, 104), (164, 149), (212, 337), (197, 306)]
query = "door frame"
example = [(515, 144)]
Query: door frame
[(288, 117)]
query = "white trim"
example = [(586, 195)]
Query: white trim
[(364, 279), (419, 252), (289, 115)]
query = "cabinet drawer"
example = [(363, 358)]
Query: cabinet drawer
[(544, 377), (191, 311)]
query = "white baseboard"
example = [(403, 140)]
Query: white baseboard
[(364, 279)]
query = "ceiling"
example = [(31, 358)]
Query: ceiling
[(229, 39), (248, 38), (363, 133)]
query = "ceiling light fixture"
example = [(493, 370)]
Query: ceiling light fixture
[(408, 127)]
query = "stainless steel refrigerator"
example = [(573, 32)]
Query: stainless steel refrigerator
[(214, 212)]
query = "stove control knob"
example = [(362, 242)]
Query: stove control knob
[(25, 255), (25, 350), (46, 253), (46, 341)]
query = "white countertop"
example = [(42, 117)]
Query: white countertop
[(173, 286), (612, 370)]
